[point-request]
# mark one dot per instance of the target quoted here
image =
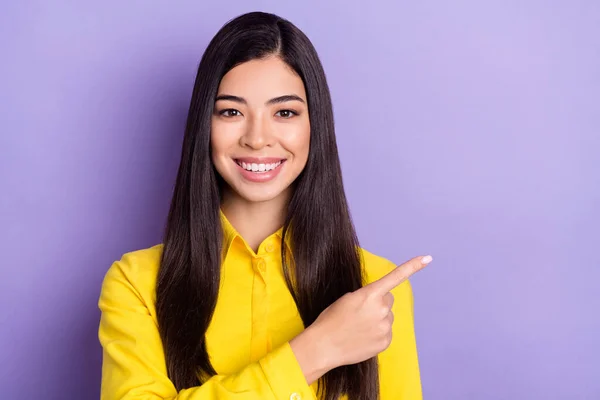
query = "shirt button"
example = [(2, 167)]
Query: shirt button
[(262, 265), (269, 247), (295, 396)]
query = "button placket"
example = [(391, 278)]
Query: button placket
[(259, 306), (262, 266)]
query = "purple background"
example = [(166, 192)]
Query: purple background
[(467, 129)]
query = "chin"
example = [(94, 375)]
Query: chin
[(259, 195)]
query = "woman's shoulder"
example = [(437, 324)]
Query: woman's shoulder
[(136, 269), (142, 261)]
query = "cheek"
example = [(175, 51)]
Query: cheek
[(220, 140), (218, 147), (215, 149), (298, 142)]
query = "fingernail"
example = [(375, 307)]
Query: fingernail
[(426, 260)]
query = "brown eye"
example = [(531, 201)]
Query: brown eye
[(230, 112), (286, 113)]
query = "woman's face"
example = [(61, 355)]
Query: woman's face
[(260, 131)]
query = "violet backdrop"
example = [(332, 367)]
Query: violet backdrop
[(468, 130)]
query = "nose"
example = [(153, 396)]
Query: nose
[(258, 133)]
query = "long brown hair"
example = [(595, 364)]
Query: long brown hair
[(325, 250)]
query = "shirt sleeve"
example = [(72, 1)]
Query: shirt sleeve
[(134, 367), (398, 364)]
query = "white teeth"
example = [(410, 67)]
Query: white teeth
[(258, 167)]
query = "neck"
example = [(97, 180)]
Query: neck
[(254, 221)]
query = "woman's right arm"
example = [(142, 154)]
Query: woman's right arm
[(134, 367)]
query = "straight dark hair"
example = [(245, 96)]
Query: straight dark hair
[(325, 262)]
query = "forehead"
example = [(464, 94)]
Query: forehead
[(261, 80)]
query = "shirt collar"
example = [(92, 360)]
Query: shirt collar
[(230, 233)]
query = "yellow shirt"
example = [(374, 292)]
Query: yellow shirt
[(248, 337)]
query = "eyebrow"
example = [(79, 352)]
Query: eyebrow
[(275, 100)]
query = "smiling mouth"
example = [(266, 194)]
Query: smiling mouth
[(259, 167)]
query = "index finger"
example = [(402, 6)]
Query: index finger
[(399, 274)]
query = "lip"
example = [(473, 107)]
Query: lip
[(259, 160), (260, 177)]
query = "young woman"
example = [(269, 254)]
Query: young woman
[(260, 289)]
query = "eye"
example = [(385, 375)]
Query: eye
[(286, 114), (230, 112)]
